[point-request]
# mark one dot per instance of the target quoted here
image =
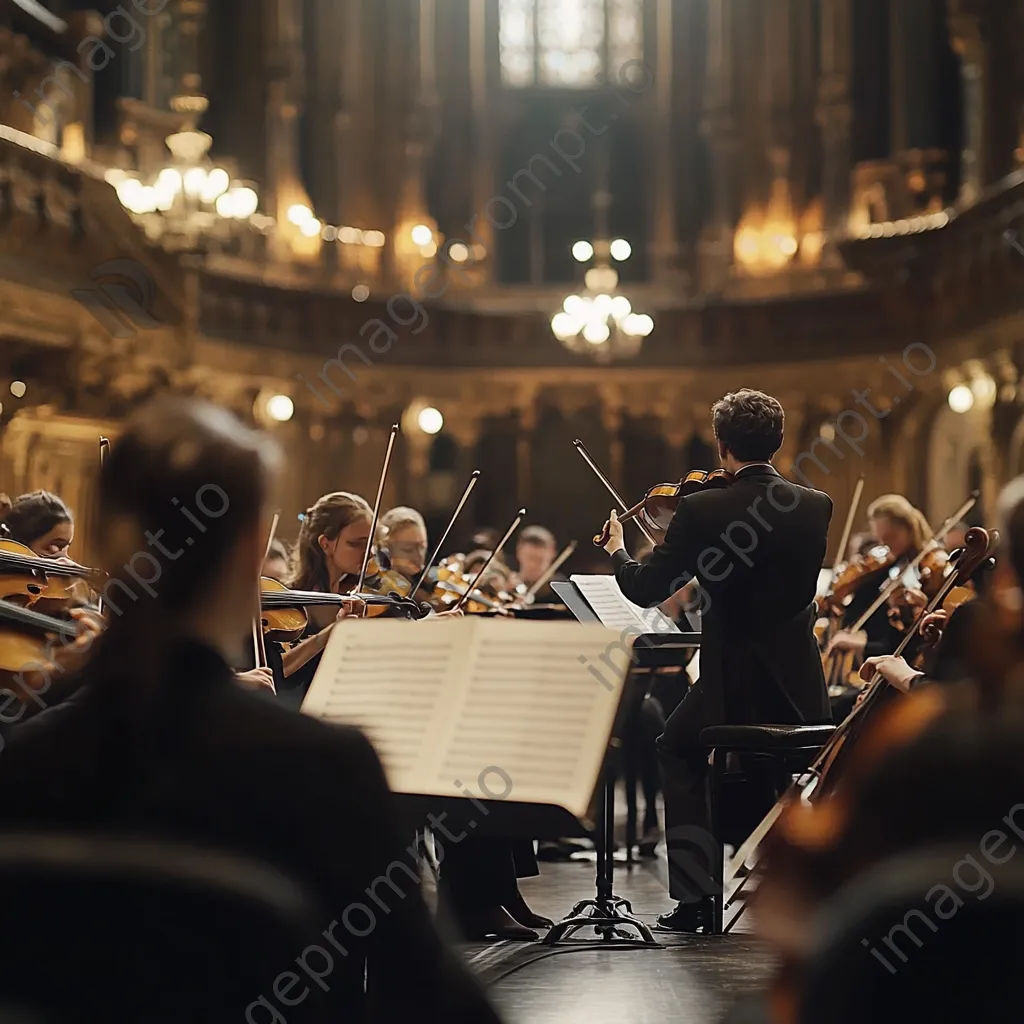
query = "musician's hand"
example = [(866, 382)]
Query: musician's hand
[(846, 640), (352, 607), (937, 618), (614, 528), (257, 679), (72, 655), (893, 670), (449, 613), (914, 597)]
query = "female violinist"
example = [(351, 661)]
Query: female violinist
[(900, 531), (40, 521), (328, 557), (43, 523)]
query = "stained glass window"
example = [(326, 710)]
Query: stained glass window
[(567, 43)]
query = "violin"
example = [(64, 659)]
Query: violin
[(26, 634), (30, 577), (849, 578), (452, 583), (654, 513), (902, 606), (283, 611)]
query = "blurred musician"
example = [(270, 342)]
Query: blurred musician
[(277, 564), (756, 546), (405, 540), (158, 742), (899, 531), (535, 551)]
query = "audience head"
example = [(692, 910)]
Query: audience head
[(749, 427), (332, 541), (40, 521)]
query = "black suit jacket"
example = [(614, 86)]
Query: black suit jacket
[(221, 767), (756, 548)]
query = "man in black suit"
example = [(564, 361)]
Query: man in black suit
[(756, 547)]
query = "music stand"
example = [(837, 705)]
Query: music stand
[(610, 915)]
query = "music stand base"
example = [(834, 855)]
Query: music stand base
[(609, 917)]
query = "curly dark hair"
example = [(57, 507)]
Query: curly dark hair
[(749, 425)]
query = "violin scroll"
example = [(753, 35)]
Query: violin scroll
[(659, 504)]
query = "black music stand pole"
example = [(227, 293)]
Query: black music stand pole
[(609, 915)]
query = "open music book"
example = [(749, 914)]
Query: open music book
[(478, 704), (609, 604)]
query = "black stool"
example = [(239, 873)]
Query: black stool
[(789, 749)]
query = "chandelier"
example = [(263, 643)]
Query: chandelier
[(188, 198), (598, 322)]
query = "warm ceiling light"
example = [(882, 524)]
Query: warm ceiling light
[(216, 184), (18, 388), (194, 181), (983, 387), (582, 251), (360, 293), (459, 252), (422, 235), (299, 214), (430, 420), (621, 249), (961, 399), (310, 228), (374, 239), (280, 408)]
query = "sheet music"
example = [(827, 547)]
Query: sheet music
[(506, 710), (615, 611), (367, 678)]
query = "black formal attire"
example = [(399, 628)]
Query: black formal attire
[(215, 765), (759, 662)]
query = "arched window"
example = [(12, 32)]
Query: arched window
[(568, 43)]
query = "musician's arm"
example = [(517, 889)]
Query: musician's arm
[(672, 564)]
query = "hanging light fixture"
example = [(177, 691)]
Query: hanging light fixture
[(598, 322)]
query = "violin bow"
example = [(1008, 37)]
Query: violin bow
[(557, 564), (259, 645), (890, 588), (589, 460), (376, 507), (473, 478), (104, 455), (520, 516), (844, 540)]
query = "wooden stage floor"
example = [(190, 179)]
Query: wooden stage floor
[(692, 980)]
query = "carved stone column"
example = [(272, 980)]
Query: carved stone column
[(967, 38), (721, 128), (524, 441), (664, 229), (835, 114), (421, 137), (285, 97), (484, 66), (778, 81)]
